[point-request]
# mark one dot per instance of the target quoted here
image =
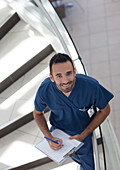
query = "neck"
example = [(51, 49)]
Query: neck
[(67, 94)]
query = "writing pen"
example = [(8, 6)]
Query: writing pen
[(51, 140)]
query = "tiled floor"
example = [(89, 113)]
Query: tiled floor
[(95, 28)]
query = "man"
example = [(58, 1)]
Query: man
[(72, 99)]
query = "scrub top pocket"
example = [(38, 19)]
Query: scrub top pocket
[(84, 118), (83, 114)]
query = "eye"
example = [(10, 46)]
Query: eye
[(59, 76), (69, 73)]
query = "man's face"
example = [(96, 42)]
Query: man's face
[(64, 76)]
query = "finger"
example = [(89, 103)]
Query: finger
[(60, 142), (54, 145), (72, 137), (55, 148)]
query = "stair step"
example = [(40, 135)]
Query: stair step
[(17, 123), (25, 68), (5, 10), (9, 22), (21, 102), (21, 49)]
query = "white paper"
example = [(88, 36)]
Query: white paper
[(58, 155)]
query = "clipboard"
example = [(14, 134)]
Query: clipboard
[(70, 146)]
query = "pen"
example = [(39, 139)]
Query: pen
[(51, 140)]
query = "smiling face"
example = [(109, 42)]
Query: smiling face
[(63, 74)]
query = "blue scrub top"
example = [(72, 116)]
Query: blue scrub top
[(70, 113)]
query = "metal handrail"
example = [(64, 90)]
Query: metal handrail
[(104, 156), (96, 151)]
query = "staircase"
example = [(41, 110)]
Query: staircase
[(24, 58)]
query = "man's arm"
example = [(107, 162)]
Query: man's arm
[(97, 120), (41, 122)]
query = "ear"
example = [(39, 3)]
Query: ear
[(51, 77), (75, 71)]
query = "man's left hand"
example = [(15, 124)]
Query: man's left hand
[(78, 137), (99, 117)]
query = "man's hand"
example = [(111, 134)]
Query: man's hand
[(55, 146), (78, 137), (99, 117)]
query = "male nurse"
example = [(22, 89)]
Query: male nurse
[(78, 104)]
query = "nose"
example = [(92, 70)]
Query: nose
[(65, 79)]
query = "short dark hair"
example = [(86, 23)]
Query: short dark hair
[(59, 58)]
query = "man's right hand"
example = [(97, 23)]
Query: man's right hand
[(41, 121), (55, 146)]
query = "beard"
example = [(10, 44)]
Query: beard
[(66, 89)]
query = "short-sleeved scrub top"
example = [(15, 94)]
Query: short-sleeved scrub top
[(71, 113)]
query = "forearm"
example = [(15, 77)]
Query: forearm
[(97, 120), (41, 122)]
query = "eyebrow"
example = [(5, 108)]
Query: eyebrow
[(59, 74), (68, 72)]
